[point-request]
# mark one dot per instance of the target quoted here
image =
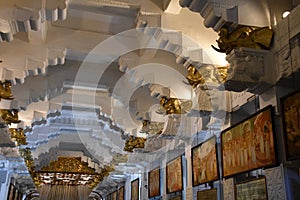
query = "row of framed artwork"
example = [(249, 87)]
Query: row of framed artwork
[(246, 146), (14, 193), (250, 189), (120, 193)]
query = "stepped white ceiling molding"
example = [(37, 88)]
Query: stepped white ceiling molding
[(61, 39), (53, 154), (26, 16), (15, 166), (216, 13), (87, 121)]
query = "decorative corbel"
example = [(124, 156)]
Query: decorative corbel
[(9, 116), (17, 134), (134, 142), (175, 105), (244, 36), (5, 90)]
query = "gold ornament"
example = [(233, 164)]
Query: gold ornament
[(244, 36), (9, 116), (134, 142), (5, 90), (175, 106), (17, 134)]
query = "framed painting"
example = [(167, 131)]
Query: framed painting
[(179, 197), (114, 195), (108, 197), (174, 175), (210, 194), (11, 192), (253, 189), (121, 193), (154, 183), (290, 106), (135, 189), (204, 162), (250, 144)]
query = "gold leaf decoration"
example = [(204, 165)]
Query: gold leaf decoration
[(69, 165), (134, 142), (17, 134), (5, 90), (175, 105), (244, 36), (9, 116)]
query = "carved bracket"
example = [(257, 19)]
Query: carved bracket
[(249, 68)]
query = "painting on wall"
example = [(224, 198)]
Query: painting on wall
[(253, 189), (291, 124), (114, 195), (154, 183), (135, 189), (179, 197), (204, 162), (174, 175), (121, 193), (210, 194), (11, 192), (249, 145)]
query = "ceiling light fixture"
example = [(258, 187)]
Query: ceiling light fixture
[(285, 14)]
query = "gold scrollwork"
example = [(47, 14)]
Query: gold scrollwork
[(5, 90), (175, 106), (194, 77), (26, 154), (68, 165), (9, 116), (17, 134), (221, 73), (72, 171), (99, 177), (134, 142), (244, 36)]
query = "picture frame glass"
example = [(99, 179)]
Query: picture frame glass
[(253, 189), (204, 162), (154, 183), (174, 175), (291, 123), (249, 145), (210, 194), (121, 193), (135, 189), (114, 196)]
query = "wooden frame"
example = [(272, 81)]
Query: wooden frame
[(205, 162), (154, 183), (291, 124), (121, 193), (250, 144), (135, 189), (252, 189), (174, 175), (210, 194)]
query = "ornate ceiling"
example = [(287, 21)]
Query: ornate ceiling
[(89, 80)]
